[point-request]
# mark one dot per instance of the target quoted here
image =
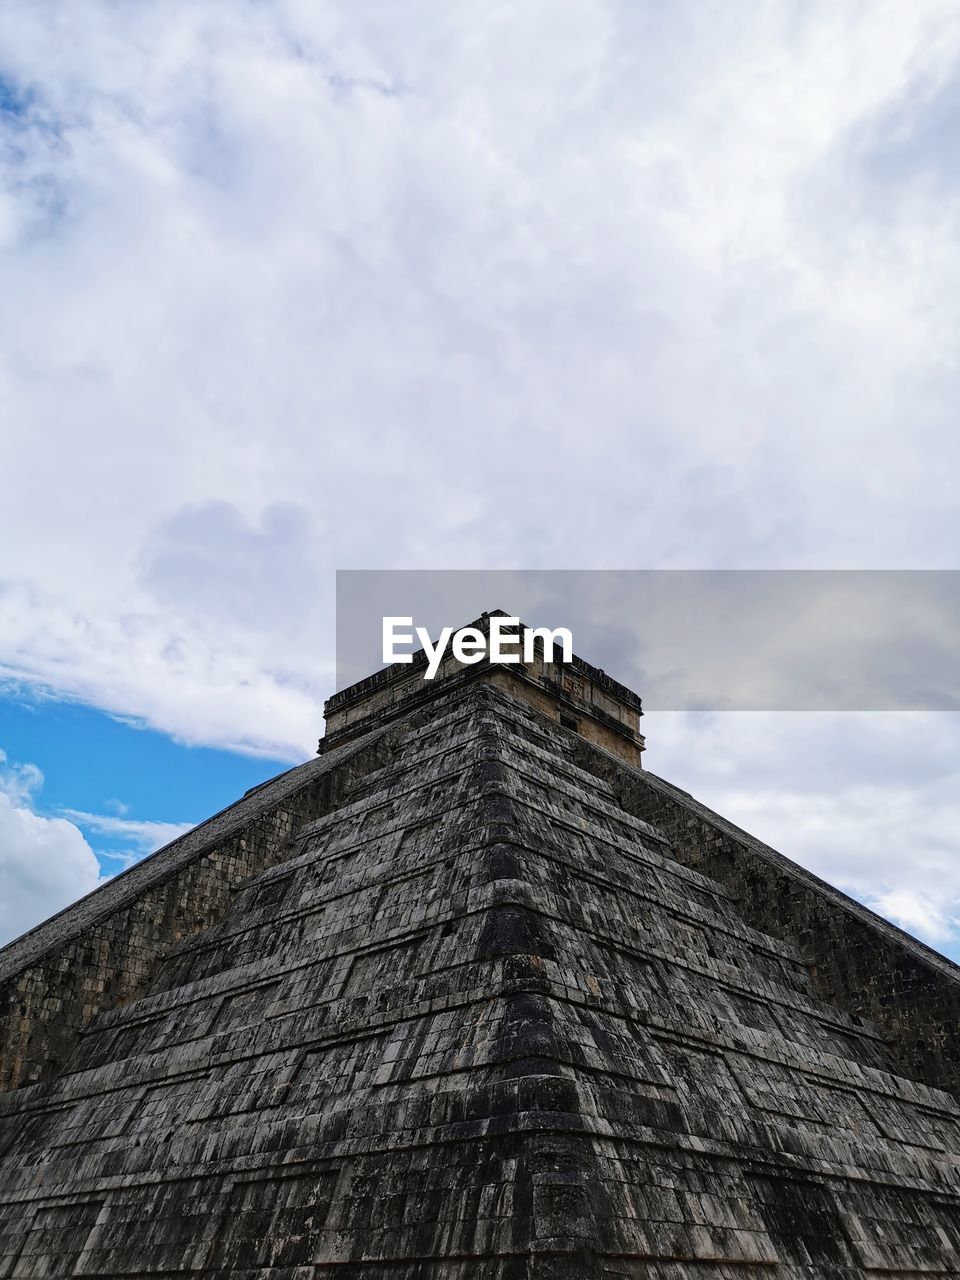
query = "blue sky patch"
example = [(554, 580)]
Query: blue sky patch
[(129, 789)]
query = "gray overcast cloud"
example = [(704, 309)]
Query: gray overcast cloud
[(293, 286)]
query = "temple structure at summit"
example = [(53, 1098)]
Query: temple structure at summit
[(473, 996)]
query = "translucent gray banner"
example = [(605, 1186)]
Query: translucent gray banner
[(738, 640)]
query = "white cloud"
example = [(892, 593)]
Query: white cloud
[(917, 913), (868, 802), (19, 782), (292, 287), (140, 837), (45, 863)]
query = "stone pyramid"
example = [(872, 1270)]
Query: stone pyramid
[(473, 995)]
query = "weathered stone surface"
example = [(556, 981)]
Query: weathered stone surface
[(575, 693), (469, 1014)]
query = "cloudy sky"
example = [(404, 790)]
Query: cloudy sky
[(289, 286)]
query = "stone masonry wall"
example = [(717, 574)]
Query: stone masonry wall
[(857, 960), (480, 1024), (105, 949)]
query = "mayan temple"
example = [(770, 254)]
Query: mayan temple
[(474, 996)]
